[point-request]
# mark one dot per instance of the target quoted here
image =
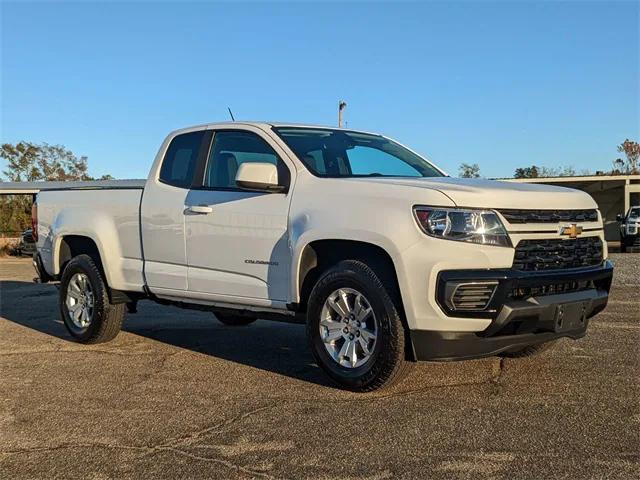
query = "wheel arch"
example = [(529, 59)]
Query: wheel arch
[(318, 255), (71, 245), (109, 239)]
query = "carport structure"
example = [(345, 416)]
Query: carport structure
[(614, 194), (15, 189)]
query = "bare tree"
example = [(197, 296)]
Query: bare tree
[(631, 151), (467, 170)]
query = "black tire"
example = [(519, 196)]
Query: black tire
[(106, 318), (623, 247), (387, 362), (530, 350), (234, 320)]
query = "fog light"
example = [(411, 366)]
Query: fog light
[(467, 296)]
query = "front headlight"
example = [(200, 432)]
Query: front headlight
[(464, 225)]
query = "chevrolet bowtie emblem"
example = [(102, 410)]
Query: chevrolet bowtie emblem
[(572, 230)]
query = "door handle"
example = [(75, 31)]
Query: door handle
[(199, 209)]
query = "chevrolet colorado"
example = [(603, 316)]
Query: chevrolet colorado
[(386, 258)]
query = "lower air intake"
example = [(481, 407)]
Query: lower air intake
[(470, 296)]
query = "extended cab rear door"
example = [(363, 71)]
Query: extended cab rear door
[(163, 211), (237, 241)]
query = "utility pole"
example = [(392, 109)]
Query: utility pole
[(341, 106)]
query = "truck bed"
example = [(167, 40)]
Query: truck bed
[(11, 188), (108, 212)]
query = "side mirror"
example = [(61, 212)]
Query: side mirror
[(260, 177), (619, 217)]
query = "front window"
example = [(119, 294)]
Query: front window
[(634, 214), (339, 153), (231, 149)]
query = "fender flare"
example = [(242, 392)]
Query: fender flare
[(371, 238)]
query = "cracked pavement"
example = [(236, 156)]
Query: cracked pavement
[(178, 394)]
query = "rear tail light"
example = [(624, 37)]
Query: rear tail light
[(469, 296), (34, 221)]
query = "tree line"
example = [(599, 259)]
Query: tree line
[(625, 165), (29, 162)]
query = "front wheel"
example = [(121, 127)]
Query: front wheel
[(84, 303), (355, 329)]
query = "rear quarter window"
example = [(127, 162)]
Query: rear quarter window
[(179, 163)]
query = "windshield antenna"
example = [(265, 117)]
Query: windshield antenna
[(231, 113)]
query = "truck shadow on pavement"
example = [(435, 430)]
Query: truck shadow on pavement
[(276, 347), (271, 346)]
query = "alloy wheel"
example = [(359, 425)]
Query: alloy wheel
[(80, 300), (348, 327)]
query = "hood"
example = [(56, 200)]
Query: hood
[(480, 193)]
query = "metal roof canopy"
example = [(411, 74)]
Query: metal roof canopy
[(575, 178), (589, 183)]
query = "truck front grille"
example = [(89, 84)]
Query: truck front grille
[(535, 255), (549, 216)]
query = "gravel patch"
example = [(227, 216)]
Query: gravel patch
[(627, 268)]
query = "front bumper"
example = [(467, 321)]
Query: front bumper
[(631, 240), (522, 311)]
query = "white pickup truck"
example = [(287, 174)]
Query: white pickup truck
[(630, 228), (386, 258)]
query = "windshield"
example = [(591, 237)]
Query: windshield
[(634, 213), (339, 153)]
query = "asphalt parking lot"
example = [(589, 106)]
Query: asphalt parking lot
[(178, 394)]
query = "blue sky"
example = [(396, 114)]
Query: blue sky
[(502, 84)]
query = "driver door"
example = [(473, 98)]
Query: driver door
[(237, 243)]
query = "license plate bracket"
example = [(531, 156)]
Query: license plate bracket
[(570, 316)]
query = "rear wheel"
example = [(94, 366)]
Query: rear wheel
[(355, 329), (234, 320), (84, 303)]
